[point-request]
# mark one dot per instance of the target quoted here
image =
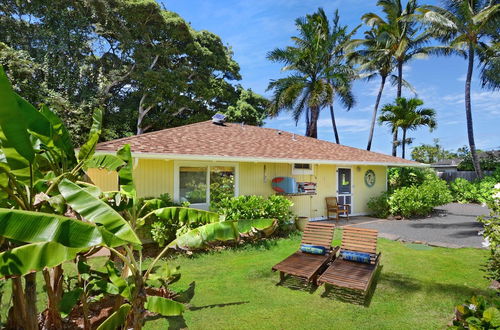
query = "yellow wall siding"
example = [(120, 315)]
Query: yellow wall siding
[(154, 177), (362, 193), (104, 179)]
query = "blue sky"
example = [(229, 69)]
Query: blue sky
[(252, 28)]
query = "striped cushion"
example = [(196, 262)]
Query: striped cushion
[(313, 249), (356, 256)]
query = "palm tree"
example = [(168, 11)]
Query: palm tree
[(316, 78), (374, 58), (337, 41), (407, 114), (400, 33), (464, 27)]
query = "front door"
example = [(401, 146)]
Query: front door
[(344, 187)]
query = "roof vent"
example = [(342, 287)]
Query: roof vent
[(219, 119)]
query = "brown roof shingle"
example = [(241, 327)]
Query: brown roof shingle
[(245, 142)]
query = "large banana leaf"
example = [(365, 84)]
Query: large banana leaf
[(116, 320), (88, 148), (185, 215), (60, 135), (163, 306), (107, 162), (15, 139), (247, 227), (125, 174), (117, 280), (34, 257), (203, 235), (35, 227), (94, 209)]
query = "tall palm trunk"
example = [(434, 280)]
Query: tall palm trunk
[(398, 95), (468, 114), (308, 120), (404, 143), (313, 125), (334, 124), (395, 142), (374, 115), (400, 78)]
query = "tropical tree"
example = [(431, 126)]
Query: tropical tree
[(338, 41), (400, 33), (407, 114), (36, 157), (464, 27), (317, 71), (431, 153), (374, 58)]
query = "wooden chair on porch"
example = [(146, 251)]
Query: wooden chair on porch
[(305, 265), (332, 206)]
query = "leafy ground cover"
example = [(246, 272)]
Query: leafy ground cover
[(235, 289)]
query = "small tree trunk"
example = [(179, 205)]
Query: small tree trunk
[(374, 115), (17, 313), (400, 78), (53, 320), (404, 143), (395, 142), (31, 320), (308, 120), (334, 124), (136, 315), (468, 114)]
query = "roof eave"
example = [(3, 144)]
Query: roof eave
[(148, 155)]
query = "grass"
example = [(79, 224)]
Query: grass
[(235, 289), (417, 289)]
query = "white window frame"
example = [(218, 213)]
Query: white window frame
[(303, 171), (352, 186), (203, 206)]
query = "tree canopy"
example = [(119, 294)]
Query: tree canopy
[(145, 66)]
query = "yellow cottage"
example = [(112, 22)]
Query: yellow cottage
[(186, 161)]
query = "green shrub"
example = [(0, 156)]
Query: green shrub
[(256, 207), (399, 177), (419, 200), (478, 191), (413, 200), (379, 206), (477, 313)]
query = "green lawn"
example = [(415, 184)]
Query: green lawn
[(417, 289), (235, 289)]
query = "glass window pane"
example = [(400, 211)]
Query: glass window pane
[(193, 184), (221, 183), (344, 178)]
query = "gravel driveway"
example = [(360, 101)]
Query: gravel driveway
[(453, 225)]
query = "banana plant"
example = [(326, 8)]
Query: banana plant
[(39, 231)]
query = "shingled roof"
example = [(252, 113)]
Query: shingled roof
[(237, 142)]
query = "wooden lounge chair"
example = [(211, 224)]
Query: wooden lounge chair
[(306, 265), (332, 206), (351, 274)]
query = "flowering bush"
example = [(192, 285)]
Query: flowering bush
[(491, 235), (477, 313)]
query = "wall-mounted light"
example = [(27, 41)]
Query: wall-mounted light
[(358, 168)]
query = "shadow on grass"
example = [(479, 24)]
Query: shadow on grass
[(408, 285), (352, 296), (296, 283), (194, 308)]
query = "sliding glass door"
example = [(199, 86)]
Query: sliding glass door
[(202, 186)]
